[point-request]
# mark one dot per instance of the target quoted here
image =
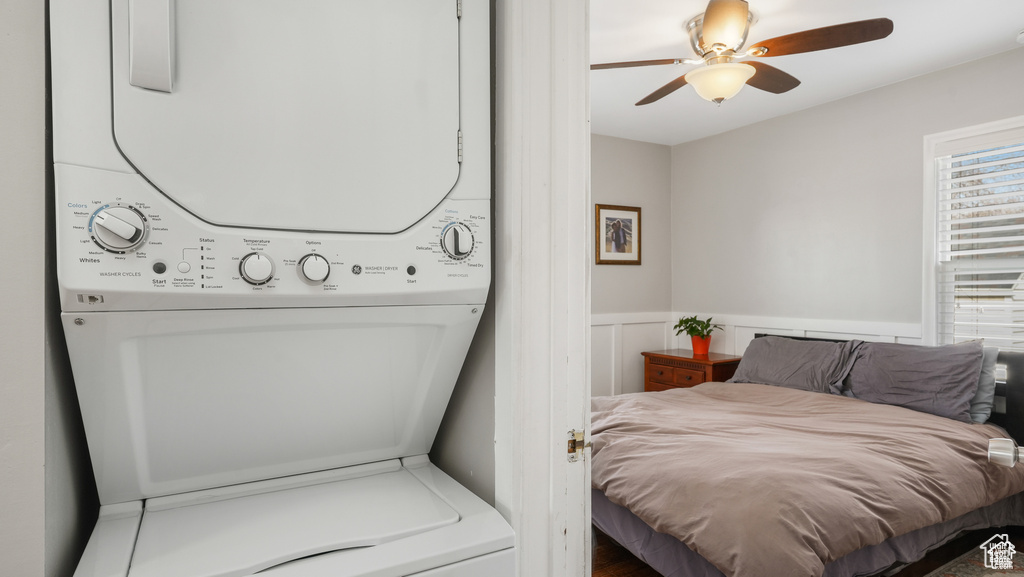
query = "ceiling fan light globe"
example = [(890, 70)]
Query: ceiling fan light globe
[(719, 82)]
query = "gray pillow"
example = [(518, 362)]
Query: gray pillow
[(981, 404), (806, 365), (937, 380)]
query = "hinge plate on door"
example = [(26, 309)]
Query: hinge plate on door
[(460, 146), (458, 9), (576, 445)]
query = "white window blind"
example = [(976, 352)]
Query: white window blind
[(980, 239)]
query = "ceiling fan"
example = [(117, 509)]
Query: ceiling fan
[(718, 36)]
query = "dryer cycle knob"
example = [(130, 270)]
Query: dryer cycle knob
[(457, 241), (314, 268), (256, 268), (118, 228)]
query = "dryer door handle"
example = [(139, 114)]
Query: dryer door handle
[(151, 44)]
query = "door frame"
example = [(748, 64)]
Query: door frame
[(542, 287)]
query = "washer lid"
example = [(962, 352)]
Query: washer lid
[(235, 536), (329, 115)]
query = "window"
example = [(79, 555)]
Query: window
[(977, 185)]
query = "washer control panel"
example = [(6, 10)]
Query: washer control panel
[(135, 250)]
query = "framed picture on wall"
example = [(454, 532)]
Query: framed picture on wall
[(618, 234)]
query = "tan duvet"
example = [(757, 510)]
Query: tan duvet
[(766, 481)]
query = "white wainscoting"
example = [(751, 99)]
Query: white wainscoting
[(616, 340)]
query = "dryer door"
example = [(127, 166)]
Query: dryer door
[(328, 115)]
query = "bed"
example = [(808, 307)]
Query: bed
[(822, 458)]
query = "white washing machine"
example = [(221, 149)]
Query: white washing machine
[(273, 246)]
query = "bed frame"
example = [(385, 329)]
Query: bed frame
[(1008, 411), (1011, 390)]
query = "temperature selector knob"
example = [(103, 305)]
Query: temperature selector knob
[(314, 268), (457, 240), (118, 228), (256, 268)]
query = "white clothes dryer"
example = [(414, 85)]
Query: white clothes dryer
[(273, 247)]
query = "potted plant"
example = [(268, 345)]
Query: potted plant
[(699, 331)]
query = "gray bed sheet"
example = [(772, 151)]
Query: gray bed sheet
[(672, 558)]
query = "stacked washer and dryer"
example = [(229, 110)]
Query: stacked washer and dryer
[(273, 246)]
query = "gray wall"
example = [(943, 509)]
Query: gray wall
[(71, 500), (47, 498), (464, 446), (631, 173), (824, 218), (22, 284)]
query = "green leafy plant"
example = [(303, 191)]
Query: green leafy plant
[(695, 327)]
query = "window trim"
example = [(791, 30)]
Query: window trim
[(929, 264)]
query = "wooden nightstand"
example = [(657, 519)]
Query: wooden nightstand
[(679, 368)]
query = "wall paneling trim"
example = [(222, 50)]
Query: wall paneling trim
[(616, 340)]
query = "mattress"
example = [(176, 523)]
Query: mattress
[(672, 558), (770, 480)]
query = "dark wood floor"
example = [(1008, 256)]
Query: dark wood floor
[(611, 560)]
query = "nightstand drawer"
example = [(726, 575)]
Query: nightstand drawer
[(687, 377), (660, 374), (675, 377)]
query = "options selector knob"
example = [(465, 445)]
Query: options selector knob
[(314, 268), (118, 228), (256, 268), (457, 240)]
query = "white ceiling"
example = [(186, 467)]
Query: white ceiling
[(928, 35)]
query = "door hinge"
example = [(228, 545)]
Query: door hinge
[(460, 146), (458, 9), (576, 445)]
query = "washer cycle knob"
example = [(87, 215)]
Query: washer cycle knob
[(256, 268), (118, 228), (457, 240), (314, 268)]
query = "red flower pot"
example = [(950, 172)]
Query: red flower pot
[(701, 345)]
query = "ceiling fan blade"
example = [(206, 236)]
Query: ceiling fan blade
[(725, 23), (664, 91), (825, 38), (635, 63), (771, 79)]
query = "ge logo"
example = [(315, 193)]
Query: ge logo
[(356, 269)]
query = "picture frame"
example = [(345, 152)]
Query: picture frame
[(618, 233)]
